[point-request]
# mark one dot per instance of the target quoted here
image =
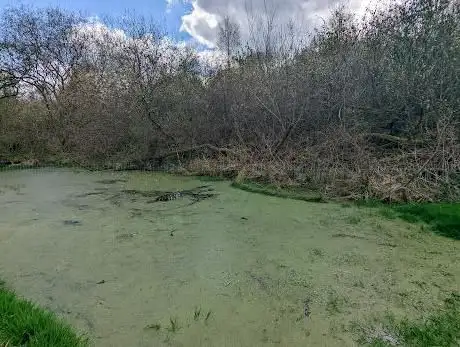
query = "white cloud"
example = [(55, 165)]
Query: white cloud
[(201, 25), (108, 50), (170, 4), (202, 22)]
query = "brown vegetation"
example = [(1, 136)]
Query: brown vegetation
[(360, 110)]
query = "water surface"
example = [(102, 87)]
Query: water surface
[(237, 269)]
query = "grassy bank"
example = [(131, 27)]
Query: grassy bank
[(441, 328), (441, 218), (22, 323)]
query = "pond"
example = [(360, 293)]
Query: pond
[(231, 268)]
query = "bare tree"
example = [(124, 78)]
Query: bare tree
[(40, 55), (146, 64), (38, 49), (228, 38), (262, 28), (8, 85)]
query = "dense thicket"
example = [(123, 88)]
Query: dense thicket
[(361, 109)]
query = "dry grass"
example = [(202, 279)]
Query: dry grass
[(349, 165)]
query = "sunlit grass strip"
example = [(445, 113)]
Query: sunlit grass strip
[(442, 218), (22, 323), (439, 329)]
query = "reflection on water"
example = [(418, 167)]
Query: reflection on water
[(232, 269)]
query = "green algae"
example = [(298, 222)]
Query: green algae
[(251, 261)]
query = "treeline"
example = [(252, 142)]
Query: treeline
[(360, 109)]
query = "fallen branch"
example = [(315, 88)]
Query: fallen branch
[(194, 149)]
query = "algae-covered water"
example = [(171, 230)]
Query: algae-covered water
[(234, 269)]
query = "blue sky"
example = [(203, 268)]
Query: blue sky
[(170, 20)]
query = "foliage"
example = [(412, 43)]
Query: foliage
[(443, 218), (22, 323), (439, 329)]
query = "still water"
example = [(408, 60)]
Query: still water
[(232, 269)]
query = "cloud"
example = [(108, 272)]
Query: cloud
[(201, 25), (203, 20), (170, 4), (102, 43)]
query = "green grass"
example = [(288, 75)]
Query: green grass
[(22, 323), (439, 329), (17, 167), (197, 313), (443, 218), (354, 220), (334, 304), (270, 190), (174, 325)]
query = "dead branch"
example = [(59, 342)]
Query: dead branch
[(198, 148)]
